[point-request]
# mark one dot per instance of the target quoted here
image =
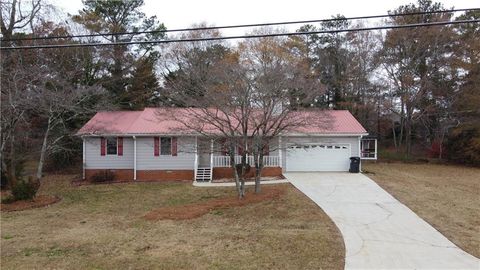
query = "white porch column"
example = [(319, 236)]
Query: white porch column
[(280, 151), (84, 158), (195, 164), (134, 158), (211, 153)]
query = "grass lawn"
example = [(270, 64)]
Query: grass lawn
[(102, 227), (446, 196)]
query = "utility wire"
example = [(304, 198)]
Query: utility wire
[(246, 25), (243, 37)]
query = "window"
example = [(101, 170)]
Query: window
[(111, 146), (369, 148), (165, 146)]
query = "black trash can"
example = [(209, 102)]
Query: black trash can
[(354, 165)]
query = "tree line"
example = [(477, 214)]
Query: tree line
[(416, 89)]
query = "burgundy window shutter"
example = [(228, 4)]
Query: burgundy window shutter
[(174, 146), (156, 146), (102, 146), (120, 146)]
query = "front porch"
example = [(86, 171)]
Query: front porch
[(220, 167), (224, 161), (213, 163)]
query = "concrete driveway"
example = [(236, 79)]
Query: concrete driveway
[(379, 231)]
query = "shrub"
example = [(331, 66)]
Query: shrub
[(8, 199), (103, 176), (19, 172), (463, 144), (3, 179), (24, 190)]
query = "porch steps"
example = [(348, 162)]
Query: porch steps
[(204, 174)]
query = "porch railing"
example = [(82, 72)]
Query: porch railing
[(224, 161)]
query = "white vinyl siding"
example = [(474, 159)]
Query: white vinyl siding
[(94, 159), (286, 141), (274, 147), (184, 160)]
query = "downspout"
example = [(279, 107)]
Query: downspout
[(134, 158), (360, 152), (211, 160), (195, 164), (84, 158), (280, 163)]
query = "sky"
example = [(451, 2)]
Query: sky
[(183, 13)]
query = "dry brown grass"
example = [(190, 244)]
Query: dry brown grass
[(102, 227), (446, 196)]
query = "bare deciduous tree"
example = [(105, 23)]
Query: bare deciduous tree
[(274, 72), (241, 99)]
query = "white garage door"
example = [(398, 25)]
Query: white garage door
[(318, 157)]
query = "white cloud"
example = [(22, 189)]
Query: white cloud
[(184, 13)]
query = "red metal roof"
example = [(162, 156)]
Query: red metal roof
[(177, 120)]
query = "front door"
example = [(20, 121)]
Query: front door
[(203, 153)]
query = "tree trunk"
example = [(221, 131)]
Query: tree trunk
[(244, 166), (242, 174), (242, 188), (234, 168), (440, 150), (258, 173), (408, 132), (402, 125), (12, 177), (394, 135), (43, 151), (408, 139)]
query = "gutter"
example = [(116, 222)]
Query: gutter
[(198, 134)]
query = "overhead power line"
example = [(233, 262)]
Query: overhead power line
[(243, 36), (246, 25)]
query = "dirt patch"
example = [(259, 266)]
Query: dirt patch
[(194, 210), (39, 201), (263, 179)]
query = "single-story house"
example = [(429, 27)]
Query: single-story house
[(140, 145)]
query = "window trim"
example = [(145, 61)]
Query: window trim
[(106, 146)]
